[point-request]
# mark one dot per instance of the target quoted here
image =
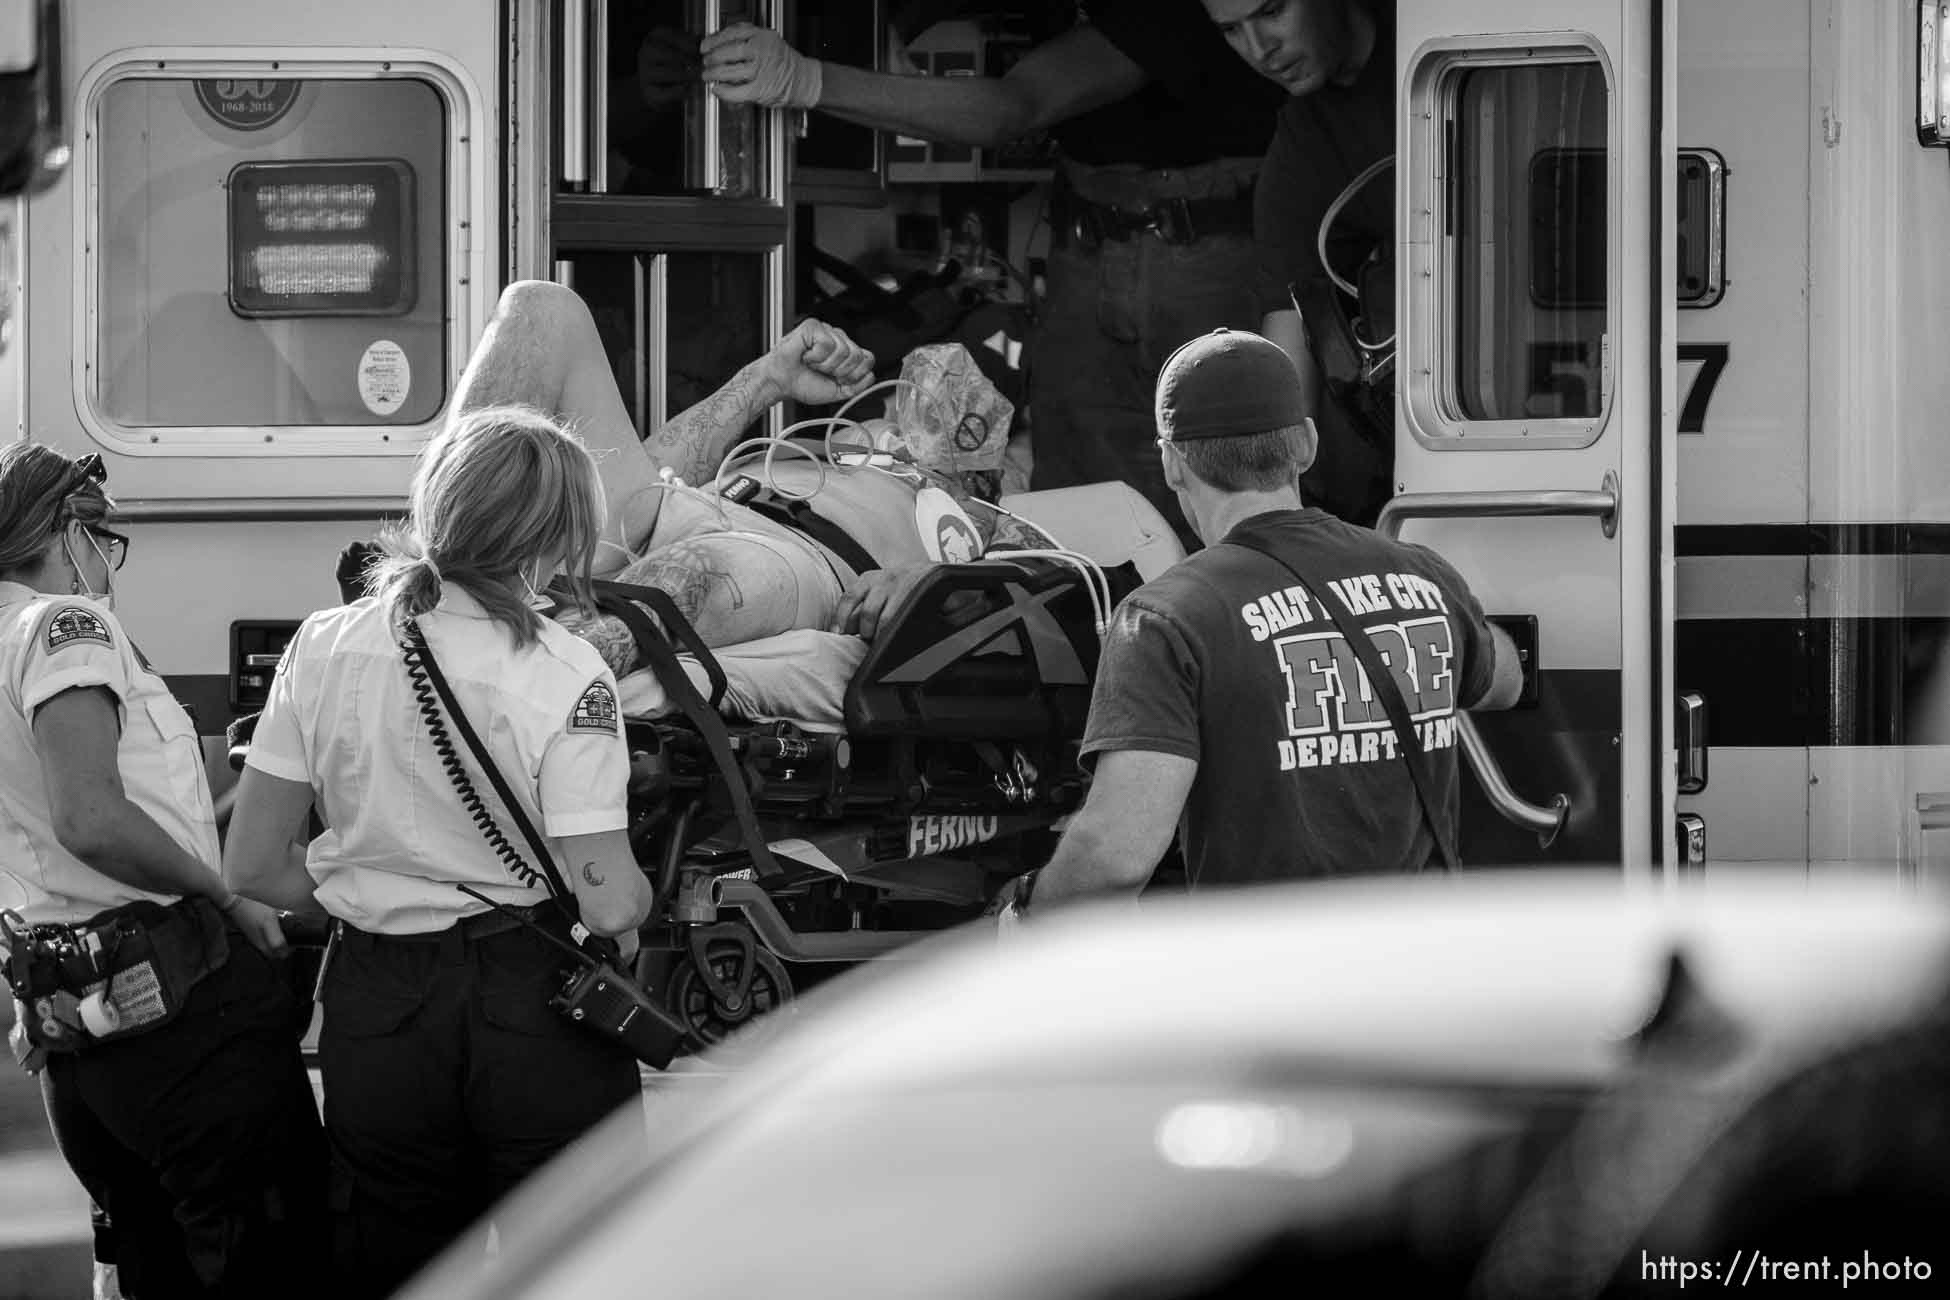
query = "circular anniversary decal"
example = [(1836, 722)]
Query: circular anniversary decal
[(385, 377), (247, 104)]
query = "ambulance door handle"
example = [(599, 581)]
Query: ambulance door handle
[(596, 60), (1601, 505), (1547, 820), (1689, 735), (711, 177), (1543, 820), (1691, 831), (576, 103)]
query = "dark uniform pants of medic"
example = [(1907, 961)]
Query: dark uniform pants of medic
[(1115, 312), (201, 1142), (448, 1079)]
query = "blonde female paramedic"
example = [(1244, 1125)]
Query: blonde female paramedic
[(447, 1076)]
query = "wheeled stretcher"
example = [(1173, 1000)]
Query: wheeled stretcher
[(912, 776), (937, 762)]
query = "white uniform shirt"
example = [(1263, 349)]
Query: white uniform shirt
[(50, 644), (342, 718)]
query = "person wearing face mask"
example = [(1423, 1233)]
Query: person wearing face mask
[(448, 1077), (188, 1119)]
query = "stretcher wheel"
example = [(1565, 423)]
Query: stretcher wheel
[(708, 1017)]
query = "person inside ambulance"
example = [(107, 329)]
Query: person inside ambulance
[(859, 538), (448, 1078), (147, 994), (1324, 226)]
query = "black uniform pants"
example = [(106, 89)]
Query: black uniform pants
[(200, 1141), (448, 1079)]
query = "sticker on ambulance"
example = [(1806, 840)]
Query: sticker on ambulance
[(947, 533), (385, 377), (927, 836)]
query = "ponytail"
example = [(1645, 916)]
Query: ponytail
[(499, 492), (407, 582)]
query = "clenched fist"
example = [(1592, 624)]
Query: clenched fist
[(817, 364)]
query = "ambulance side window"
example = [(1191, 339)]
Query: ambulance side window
[(1527, 231), (268, 253)]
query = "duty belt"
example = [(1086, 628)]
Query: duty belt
[(1175, 221)]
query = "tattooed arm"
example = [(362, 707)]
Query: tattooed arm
[(815, 364), (1008, 533), (611, 892)]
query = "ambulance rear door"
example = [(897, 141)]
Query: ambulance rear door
[(1534, 444), (253, 292)]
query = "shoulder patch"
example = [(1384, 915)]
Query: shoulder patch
[(595, 712), (76, 625)]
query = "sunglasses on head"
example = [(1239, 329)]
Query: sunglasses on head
[(91, 469), (83, 471)]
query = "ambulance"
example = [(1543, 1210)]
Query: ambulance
[(1671, 373)]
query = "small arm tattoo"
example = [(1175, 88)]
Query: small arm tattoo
[(592, 876)]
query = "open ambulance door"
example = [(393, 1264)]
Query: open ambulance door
[(251, 293), (1534, 447)]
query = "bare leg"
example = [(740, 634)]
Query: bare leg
[(541, 349)]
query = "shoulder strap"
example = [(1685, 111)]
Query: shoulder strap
[(623, 600), (417, 641), (1408, 742)]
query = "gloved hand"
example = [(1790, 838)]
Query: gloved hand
[(744, 64)]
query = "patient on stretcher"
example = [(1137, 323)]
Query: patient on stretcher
[(739, 573)]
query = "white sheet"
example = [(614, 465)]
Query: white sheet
[(798, 677)]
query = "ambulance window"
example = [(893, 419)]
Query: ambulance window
[(659, 130), (675, 326), (269, 253), (1528, 231)]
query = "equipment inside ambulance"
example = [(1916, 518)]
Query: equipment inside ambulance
[(33, 121)]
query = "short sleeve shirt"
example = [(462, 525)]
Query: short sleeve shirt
[(343, 717), (1202, 102), (1225, 661), (50, 645), (1321, 143)]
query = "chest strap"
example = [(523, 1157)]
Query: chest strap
[(803, 519)]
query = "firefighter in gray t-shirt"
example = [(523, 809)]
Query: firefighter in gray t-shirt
[(1229, 705)]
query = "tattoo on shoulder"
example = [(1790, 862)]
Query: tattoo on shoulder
[(998, 531), (593, 877), (1013, 534)]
